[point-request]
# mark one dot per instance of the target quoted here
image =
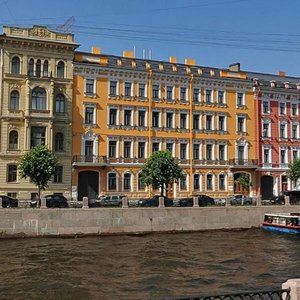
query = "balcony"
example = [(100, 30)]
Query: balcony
[(245, 163), (89, 160)]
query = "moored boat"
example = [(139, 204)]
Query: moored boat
[(285, 222)]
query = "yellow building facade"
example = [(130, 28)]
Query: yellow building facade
[(36, 86), (126, 108)]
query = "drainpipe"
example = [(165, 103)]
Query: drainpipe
[(1, 90), (149, 95), (191, 133)]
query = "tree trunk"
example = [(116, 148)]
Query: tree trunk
[(162, 190)]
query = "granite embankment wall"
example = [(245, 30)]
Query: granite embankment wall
[(97, 221)]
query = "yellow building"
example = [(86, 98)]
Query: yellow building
[(36, 86), (125, 108)]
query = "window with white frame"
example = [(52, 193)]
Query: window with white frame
[(113, 116), (142, 90), (221, 123), (183, 183), (183, 93), (294, 109), (15, 65), (128, 89), (241, 124), (90, 86), (112, 181), (196, 151), (183, 150), (90, 114), (266, 155), (266, 107), (209, 122), (208, 96), (141, 149), (113, 88), (196, 95), (169, 92), (155, 119), (196, 121), (155, 146), (266, 130), (169, 119), (209, 182), (155, 91), (127, 117), (221, 97), (196, 182), (240, 99), (141, 185), (295, 130), (170, 147), (222, 182), (127, 149), (283, 155), (283, 130), (222, 153), (295, 153), (127, 182), (58, 175), (209, 152), (282, 108), (112, 149), (183, 120), (141, 118), (12, 172)]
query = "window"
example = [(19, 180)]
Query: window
[(141, 118), (221, 182), (266, 108), (240, 99), (241, 124), (196, 94), (89, 150), (12, 173), (127, 149), (15, 65), (221, 152), (196, 182), (38, 99), (196, 121), (89, 86), (221, 99), (196, 151), (59, 142), (112, 116), (127, 182), (266, 155), (14, 100), (38, 68), (295, 131), (112, 181), (127, 89), (209, 152), (112, 149), (58, 175), (282, 108), (209, 182), (169, 120), (183, 183), (221, 123), (13, 195), (142, 90), (13, 140), (169, 92), (38, 136), (294, 109), (45, 68), (169, 147), (30, 67), (89, 116), (208, 122), (208, 94), (282, 130), (60, 103), (155, 119), (155, 91), (183, 119), (266, 129), (141, 149), (127, 117), (183, 148), (141, 185), (155, 146), (113, 88), (283, 156), (295, 154), (60, 69), (183, 94)]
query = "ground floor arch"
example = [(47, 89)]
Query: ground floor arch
[(88, 184), (267, 187)]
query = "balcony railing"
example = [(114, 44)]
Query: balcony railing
[(89, 159), (244, 162)]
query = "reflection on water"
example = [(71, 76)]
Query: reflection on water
[(155, 266)]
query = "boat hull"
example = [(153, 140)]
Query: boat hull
[(283, 229)]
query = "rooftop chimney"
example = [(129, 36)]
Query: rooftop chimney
[(236, 67), (173, 59), (281, 73), (96, 50), (190, 61), (128, 54)]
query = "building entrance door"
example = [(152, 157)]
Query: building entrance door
[(88, 184), (266, 187)]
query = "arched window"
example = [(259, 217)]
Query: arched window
[(30, 67), (112, 181), (38, 99), (60, 103), (14, 100), (38, 68), (45, 68), (183, 183), (61, 70), (141, 185), (15, 65), (209, 182), (12, 173), (221, 182), (13, 140), (196, 182), (59, 142), (127, 182)]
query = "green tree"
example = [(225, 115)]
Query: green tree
[(160, 170), (244, 181), (294, 170), (39, 165)]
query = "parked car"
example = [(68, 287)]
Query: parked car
[(154, 201), (9, 201), (239, 199), (107, 200), (203, 200), (52, 201), (280, 200)]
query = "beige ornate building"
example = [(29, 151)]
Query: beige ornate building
[(36, 86)]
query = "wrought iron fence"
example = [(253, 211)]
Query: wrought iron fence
[(262, 295)]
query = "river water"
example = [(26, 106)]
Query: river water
[(154, 266)]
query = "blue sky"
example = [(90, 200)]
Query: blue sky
[(263, 35)]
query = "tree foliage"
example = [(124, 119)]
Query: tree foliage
[(294, 170), (160, 170), (244, 181), (39, 164)]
